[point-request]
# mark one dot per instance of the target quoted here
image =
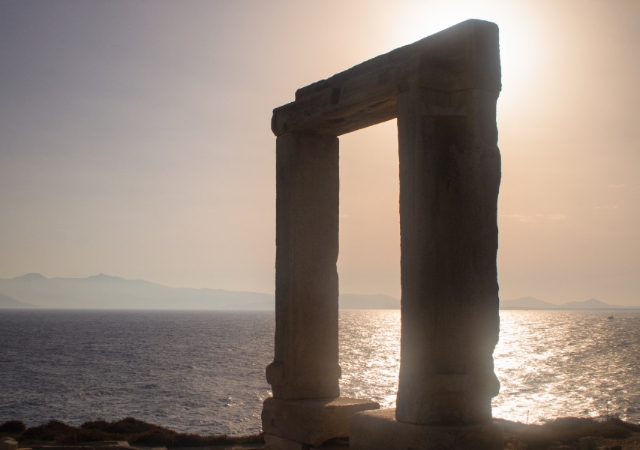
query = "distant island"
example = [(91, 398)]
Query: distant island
[(108, 292), (8, 302), (534, 303), (101, 291)]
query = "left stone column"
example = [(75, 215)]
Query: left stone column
[(306, 410), (307, 207)]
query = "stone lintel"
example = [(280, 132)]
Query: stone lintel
[(311, 422), (379, 430), (465, 56)]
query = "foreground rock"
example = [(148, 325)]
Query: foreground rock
[(116, 435)]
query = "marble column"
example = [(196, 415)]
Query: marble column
[(449, 182), (307, 206), (306, 409)]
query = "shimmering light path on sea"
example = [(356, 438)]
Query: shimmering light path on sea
[(550, 363)]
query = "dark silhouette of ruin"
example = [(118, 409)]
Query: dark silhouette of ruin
[(443, 91)]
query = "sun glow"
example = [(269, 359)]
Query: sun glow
[(521, 47)]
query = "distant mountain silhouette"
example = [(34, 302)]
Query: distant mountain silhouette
[(591, 304), (534, 303), (31, 277), (108, 292), (9, 303)]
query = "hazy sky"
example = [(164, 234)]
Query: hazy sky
[(135, 139)]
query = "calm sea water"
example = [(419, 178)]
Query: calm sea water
[(203, 372)]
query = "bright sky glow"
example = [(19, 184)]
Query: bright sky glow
[(135, 139)]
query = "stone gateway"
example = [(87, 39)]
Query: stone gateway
[(443, 91)]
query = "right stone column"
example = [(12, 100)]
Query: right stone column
[(449, 182)]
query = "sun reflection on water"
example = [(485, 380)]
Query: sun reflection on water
[(370, 355), (550, 364)]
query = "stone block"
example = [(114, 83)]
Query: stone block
[(379, 430), (314, 421), (8, 443), (272, 442)]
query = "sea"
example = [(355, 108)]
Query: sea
[(203, 372)]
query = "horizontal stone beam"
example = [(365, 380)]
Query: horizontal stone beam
[(465, 56)]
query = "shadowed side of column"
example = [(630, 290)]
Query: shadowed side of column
[(449, 182)]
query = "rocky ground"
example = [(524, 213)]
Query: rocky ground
[(125, 434), (569, 433)]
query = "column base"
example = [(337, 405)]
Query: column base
[(311, 422), (379, 430)]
